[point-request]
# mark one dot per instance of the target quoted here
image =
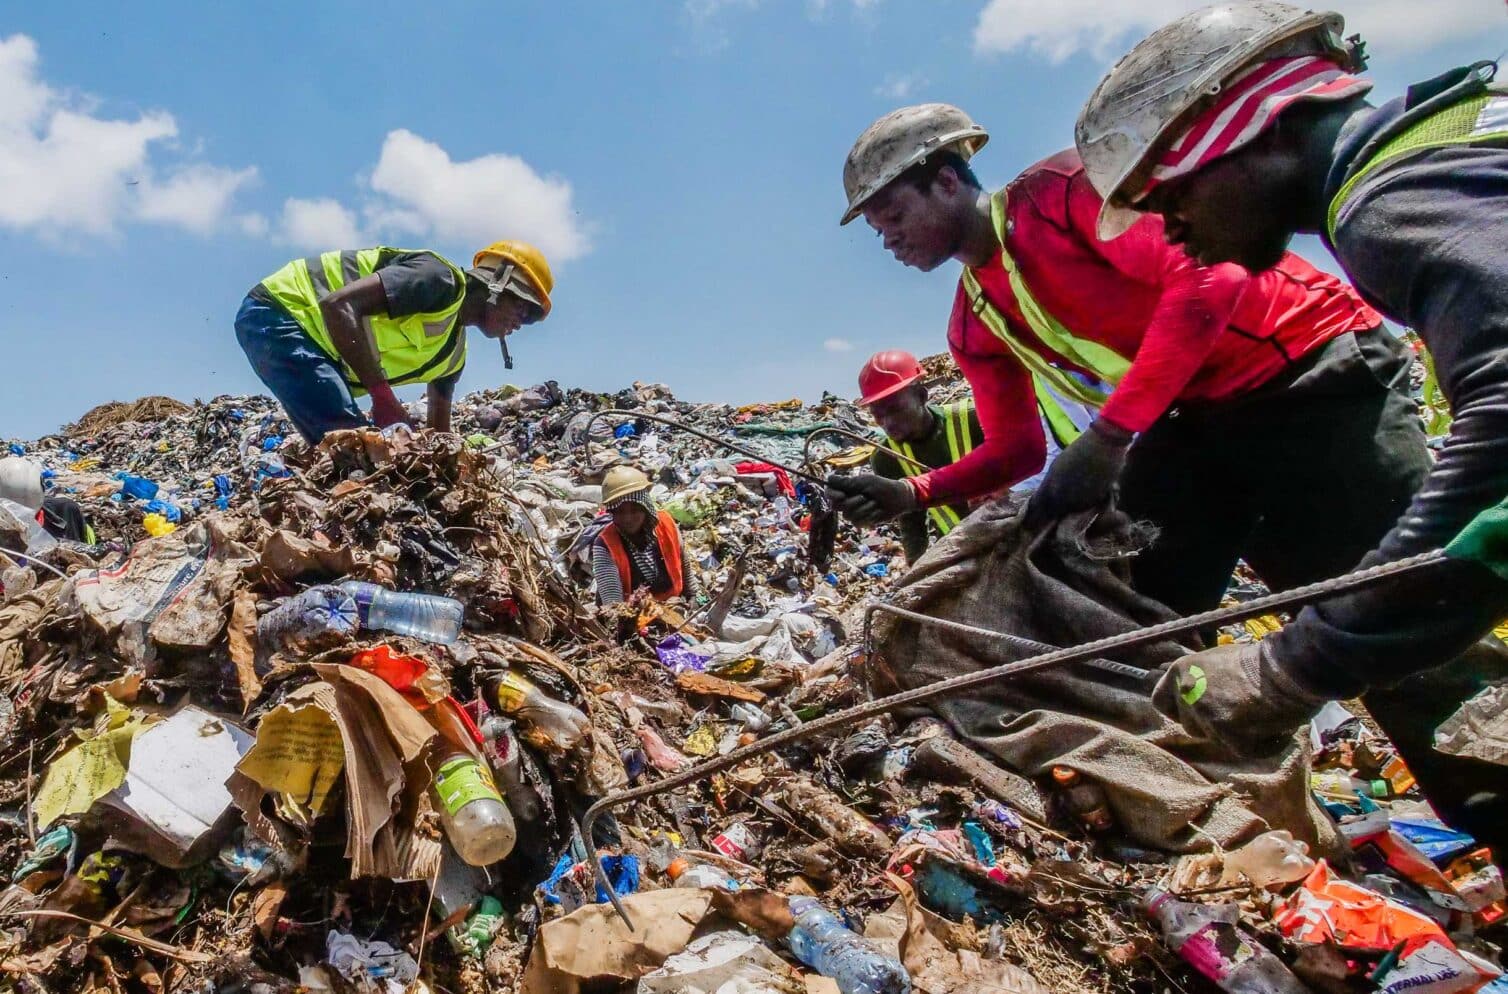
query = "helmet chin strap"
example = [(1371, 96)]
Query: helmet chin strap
[(497, 285)]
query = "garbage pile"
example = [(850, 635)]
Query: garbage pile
[(332, 722)]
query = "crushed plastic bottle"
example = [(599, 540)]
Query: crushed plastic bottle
[(38, 541), (561, 726), (1335, 784), (422, 616), (821, 941), (1209, 938), (1271, 858), (318, 618)]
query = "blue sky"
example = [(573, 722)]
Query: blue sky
[(679, 161)]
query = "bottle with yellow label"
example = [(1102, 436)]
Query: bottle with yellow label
[(472, 811), (552, 723)]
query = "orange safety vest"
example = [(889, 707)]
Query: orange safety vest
[(669, 538)]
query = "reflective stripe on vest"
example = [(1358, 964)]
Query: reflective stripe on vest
[(955, 419), (415, 348), (668, 537), (1475, 120), (1102, 360)]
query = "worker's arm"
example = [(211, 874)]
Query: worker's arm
[(914, 538), (1195, 307), (605, 572), (438, 397), (343, 311), (1014, 446)]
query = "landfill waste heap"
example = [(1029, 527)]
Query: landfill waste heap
[(327, 718)]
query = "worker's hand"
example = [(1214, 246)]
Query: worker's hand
[(1083, 475), (387, 410), (1237, 695), (869, 499)]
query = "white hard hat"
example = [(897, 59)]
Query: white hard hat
[(901, 139), (21, 481), (1172, 74)]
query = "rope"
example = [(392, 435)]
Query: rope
[(1297, 597)]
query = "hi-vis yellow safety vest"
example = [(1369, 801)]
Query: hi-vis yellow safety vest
[(955, 418), (415, 348), (1047, 379)]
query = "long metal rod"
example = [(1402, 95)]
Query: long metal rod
[(673, 423), (1288, 599)]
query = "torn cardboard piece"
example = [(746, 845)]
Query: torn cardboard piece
[(383, 742), (593, 943)]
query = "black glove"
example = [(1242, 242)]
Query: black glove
[(1083, 475), (868, 499), (1237, 695)]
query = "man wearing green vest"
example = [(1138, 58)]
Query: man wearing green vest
[(927, 436), (1218, 376), (325, 329), (1240, 126)]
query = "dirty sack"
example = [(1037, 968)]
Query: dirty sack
[(1066, 585)]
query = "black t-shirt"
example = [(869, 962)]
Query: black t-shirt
[(417, 283)]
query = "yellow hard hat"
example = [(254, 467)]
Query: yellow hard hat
[(530, 262), (620, 482)]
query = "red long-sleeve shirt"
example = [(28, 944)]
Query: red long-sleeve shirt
[(1192, 333)]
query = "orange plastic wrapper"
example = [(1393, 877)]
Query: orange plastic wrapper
[(1330, 910)]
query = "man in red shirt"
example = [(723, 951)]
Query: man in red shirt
[(1269, 412), (1219, 375)]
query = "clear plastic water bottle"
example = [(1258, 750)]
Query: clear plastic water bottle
[(821, 941), (422, 616), (1209, 939)]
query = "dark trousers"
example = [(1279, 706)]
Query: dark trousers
[(300, 375), (1302, 478)]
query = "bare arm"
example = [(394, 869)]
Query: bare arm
[(439, 394), (343, 312)]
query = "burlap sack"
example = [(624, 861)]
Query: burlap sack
[(1064, 586)]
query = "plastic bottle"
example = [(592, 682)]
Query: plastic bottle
[(1209, 939), (1086, 800), (1334, 783), (821, 941), (471, 809), (562, 725), (320, 617), (502, 752), (421, 616), (1271, 858)]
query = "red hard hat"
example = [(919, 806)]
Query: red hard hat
[(886, 373)]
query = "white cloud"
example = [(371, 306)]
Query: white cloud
[(427, 193), (838, 345), (196, 197), (1103, 28), (901, 86), (67, 172), (318, 225)]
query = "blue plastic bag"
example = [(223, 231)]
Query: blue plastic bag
[(166, 508), (138, 487), (625, 430)]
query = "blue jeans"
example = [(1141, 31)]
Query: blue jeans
[(299, 374)]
